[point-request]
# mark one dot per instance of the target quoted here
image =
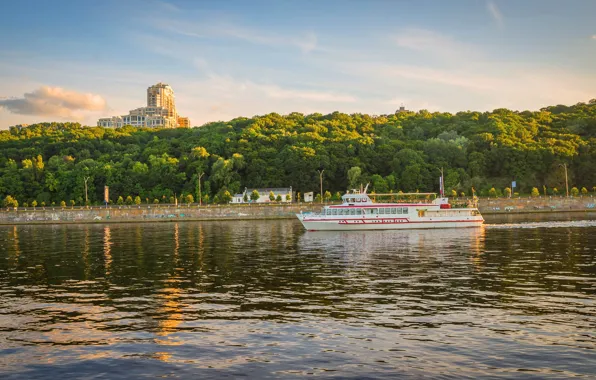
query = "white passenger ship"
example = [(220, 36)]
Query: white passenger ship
[(359, 212)]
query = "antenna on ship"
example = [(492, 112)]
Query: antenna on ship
[(441, 185)]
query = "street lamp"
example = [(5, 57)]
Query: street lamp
[(566, 182), (321, 181), (200, 195)]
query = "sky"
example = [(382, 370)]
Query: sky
[(80, 60)]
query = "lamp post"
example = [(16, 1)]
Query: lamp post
[(321, 181), (200, 195), (566, 182)]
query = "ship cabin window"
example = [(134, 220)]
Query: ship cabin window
[(353, 211), (334, 211), (358, 211), (381, 210)]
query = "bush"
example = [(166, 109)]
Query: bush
[(156, 201), (574, 191), (190, 198), (278, 199), (584, 191), (535, 192), (129, 200), (137, 200), (120, 200), (62, 204)]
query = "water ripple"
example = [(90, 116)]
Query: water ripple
[(268, 300)]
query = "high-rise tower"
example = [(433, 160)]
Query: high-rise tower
[(162, 95)]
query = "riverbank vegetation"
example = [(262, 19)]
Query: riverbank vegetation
[(52, 162)]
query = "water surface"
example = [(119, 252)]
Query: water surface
[(269, 300)]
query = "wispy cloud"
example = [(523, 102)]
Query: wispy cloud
[(433, 43), (305, 41), (594, 37), (494, 12), (54, 101)]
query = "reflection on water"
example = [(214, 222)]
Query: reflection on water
[(268, 300)]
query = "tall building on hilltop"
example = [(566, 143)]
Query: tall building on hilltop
[(160, 112)]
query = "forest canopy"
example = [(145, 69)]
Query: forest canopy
[(49, 162)]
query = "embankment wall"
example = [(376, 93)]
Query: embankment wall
[(165, 213)]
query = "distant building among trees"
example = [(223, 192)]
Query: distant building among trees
[(160, 112)]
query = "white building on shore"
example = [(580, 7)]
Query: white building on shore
[(160, 112), (264, 194)]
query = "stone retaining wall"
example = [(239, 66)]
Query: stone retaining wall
[(164, 213)]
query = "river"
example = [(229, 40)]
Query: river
[(266, 299)]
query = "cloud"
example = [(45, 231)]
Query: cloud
[(54, 101), (495, 12), (430, 42), (306, 41), (594, 37)]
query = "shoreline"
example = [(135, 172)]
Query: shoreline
[(175, 215)]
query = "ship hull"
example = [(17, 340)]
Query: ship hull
[(386, 224)]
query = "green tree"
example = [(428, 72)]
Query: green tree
[(226, 197), (508, 192), (453, 193), (336, 196), (278, 198), (156, 201), (120, 200), (245, 197), (327, 195), (535, 192), (254, 196), (72, 203), (555, 191), (318, 198), (492, 192), (137, 200), (190, 199), (62, 204), (354, 175), (288, 197), (9, 201), (584, 191), (129, 200), (271, 196), (574, 191), (34, 204)]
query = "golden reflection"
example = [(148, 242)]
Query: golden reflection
[(176, 240), (171, 295), (107, 249), (16, 245), (477, 247), (86, 253), (201, 247), (172, 310)]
